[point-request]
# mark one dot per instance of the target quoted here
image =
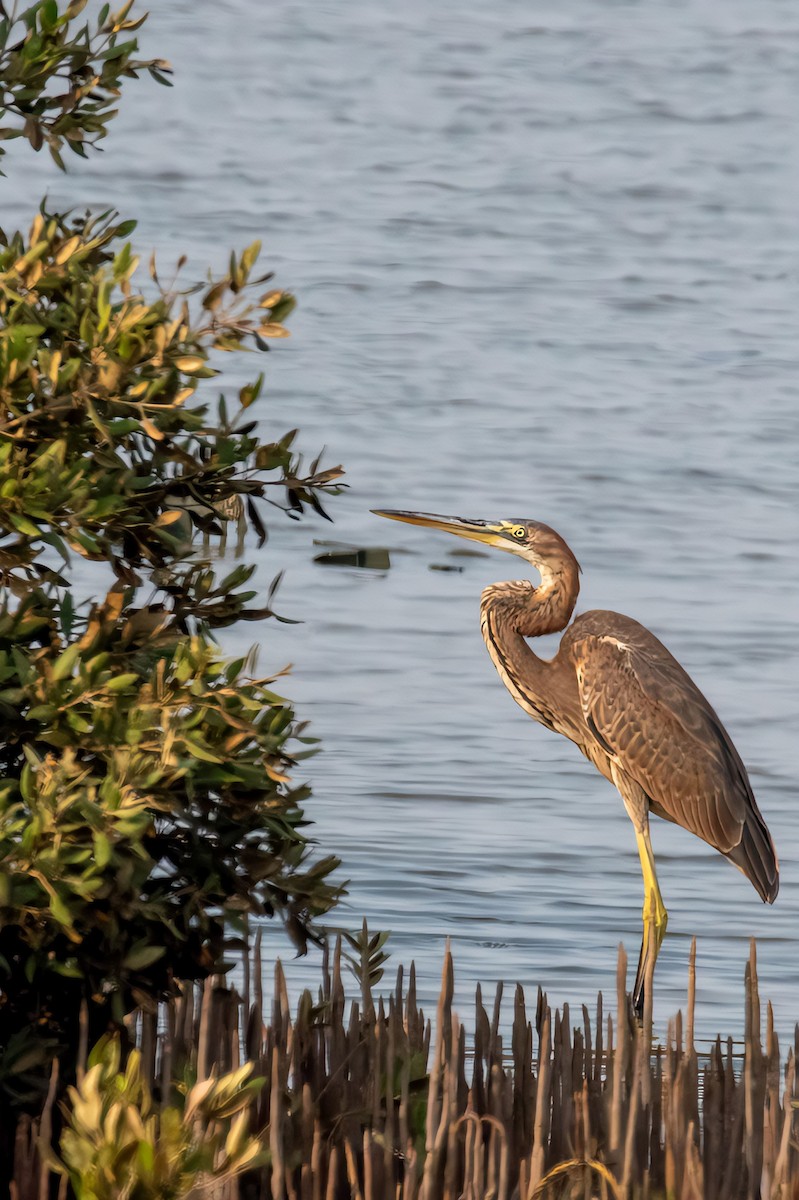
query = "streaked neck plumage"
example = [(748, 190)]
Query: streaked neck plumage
[(533, 611), (513, 611)]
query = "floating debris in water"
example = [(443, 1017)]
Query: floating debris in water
[(370, 558), (444, 567)]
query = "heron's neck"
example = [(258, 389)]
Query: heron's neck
[(513, 611), (519, 607)]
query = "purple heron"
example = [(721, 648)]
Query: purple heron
[(616, 692)]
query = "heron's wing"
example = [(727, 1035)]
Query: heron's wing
[(653, 721)]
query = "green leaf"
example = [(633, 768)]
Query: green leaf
[(42, 712), (63, 665), (102, 850), (23, 525), (48, 14), (121, 682), (146, 1158), (141, 955), (69, 969), (59, 910), (198, 750)]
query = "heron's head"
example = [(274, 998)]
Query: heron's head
[(531, 540)]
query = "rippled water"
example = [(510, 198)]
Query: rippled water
[(548, 266)]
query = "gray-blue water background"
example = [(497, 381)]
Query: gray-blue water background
[(548, 266)]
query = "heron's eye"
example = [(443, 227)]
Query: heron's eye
[(519, 531)]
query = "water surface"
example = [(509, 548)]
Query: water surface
[(548, 266)]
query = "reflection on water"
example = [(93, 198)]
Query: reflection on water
[(548, 267)]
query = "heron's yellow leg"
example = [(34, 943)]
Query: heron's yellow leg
[(651, 888), (655, 918)]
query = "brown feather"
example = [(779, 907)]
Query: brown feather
[(665, 735)]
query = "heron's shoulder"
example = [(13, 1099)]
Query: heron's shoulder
[(604, 645), (604, 627)]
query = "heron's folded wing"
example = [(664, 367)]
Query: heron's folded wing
[(658, 727)]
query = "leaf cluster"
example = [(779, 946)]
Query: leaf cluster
[(146, 801), (118, 1144), (103, 450), (368, 958), (60, 82), (147, 807)]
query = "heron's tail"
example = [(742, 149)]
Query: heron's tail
[(756, 857)]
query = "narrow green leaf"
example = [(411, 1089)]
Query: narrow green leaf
[(141, 955), (121, 682), (62, 667)]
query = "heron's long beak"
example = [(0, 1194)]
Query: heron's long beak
[(488, 532)]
